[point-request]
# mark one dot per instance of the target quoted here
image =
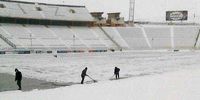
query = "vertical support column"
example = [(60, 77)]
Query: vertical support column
[(197, 40), (131, 12), (172, 37)]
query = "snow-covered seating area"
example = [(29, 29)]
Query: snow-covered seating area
[(40, 36), (185, 37), (15, 30), (4, 45), (87, 38), (102, 37), (40, 31), (159, 37), (134, 37), (33, 10)]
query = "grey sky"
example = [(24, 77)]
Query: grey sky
[(145, 10)]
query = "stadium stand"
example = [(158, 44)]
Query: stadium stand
[(52, 36), (184, 37), (102, 37), (4, 45), (159, 37), (133, 37), (40, 25), (116, 37)]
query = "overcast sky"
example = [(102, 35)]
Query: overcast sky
[(145, 10)]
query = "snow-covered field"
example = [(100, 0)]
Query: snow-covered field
[(155, 75), (181, 85)]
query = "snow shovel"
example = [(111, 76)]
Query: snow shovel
[(112, 77), (92, 79)]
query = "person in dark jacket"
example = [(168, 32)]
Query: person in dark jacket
[(83, 74), (116, 72), (18, 78)]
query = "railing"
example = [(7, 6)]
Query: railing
[(197, 39), (8, 42), (118, 46)]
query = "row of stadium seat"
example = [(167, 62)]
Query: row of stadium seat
[(160, 37), (140, 37), (38, 36)]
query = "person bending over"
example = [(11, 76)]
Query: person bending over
[(83, 74)]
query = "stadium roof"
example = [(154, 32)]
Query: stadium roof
[(46, 3), (34, 10), (57, 2)]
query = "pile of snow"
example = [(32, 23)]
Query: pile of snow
[(180, 85)]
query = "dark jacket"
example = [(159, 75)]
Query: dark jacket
[(18, 76), (83, 74), (116, 71)]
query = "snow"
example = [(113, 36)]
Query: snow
[(180, 85), (67, 67), (147, 75)]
